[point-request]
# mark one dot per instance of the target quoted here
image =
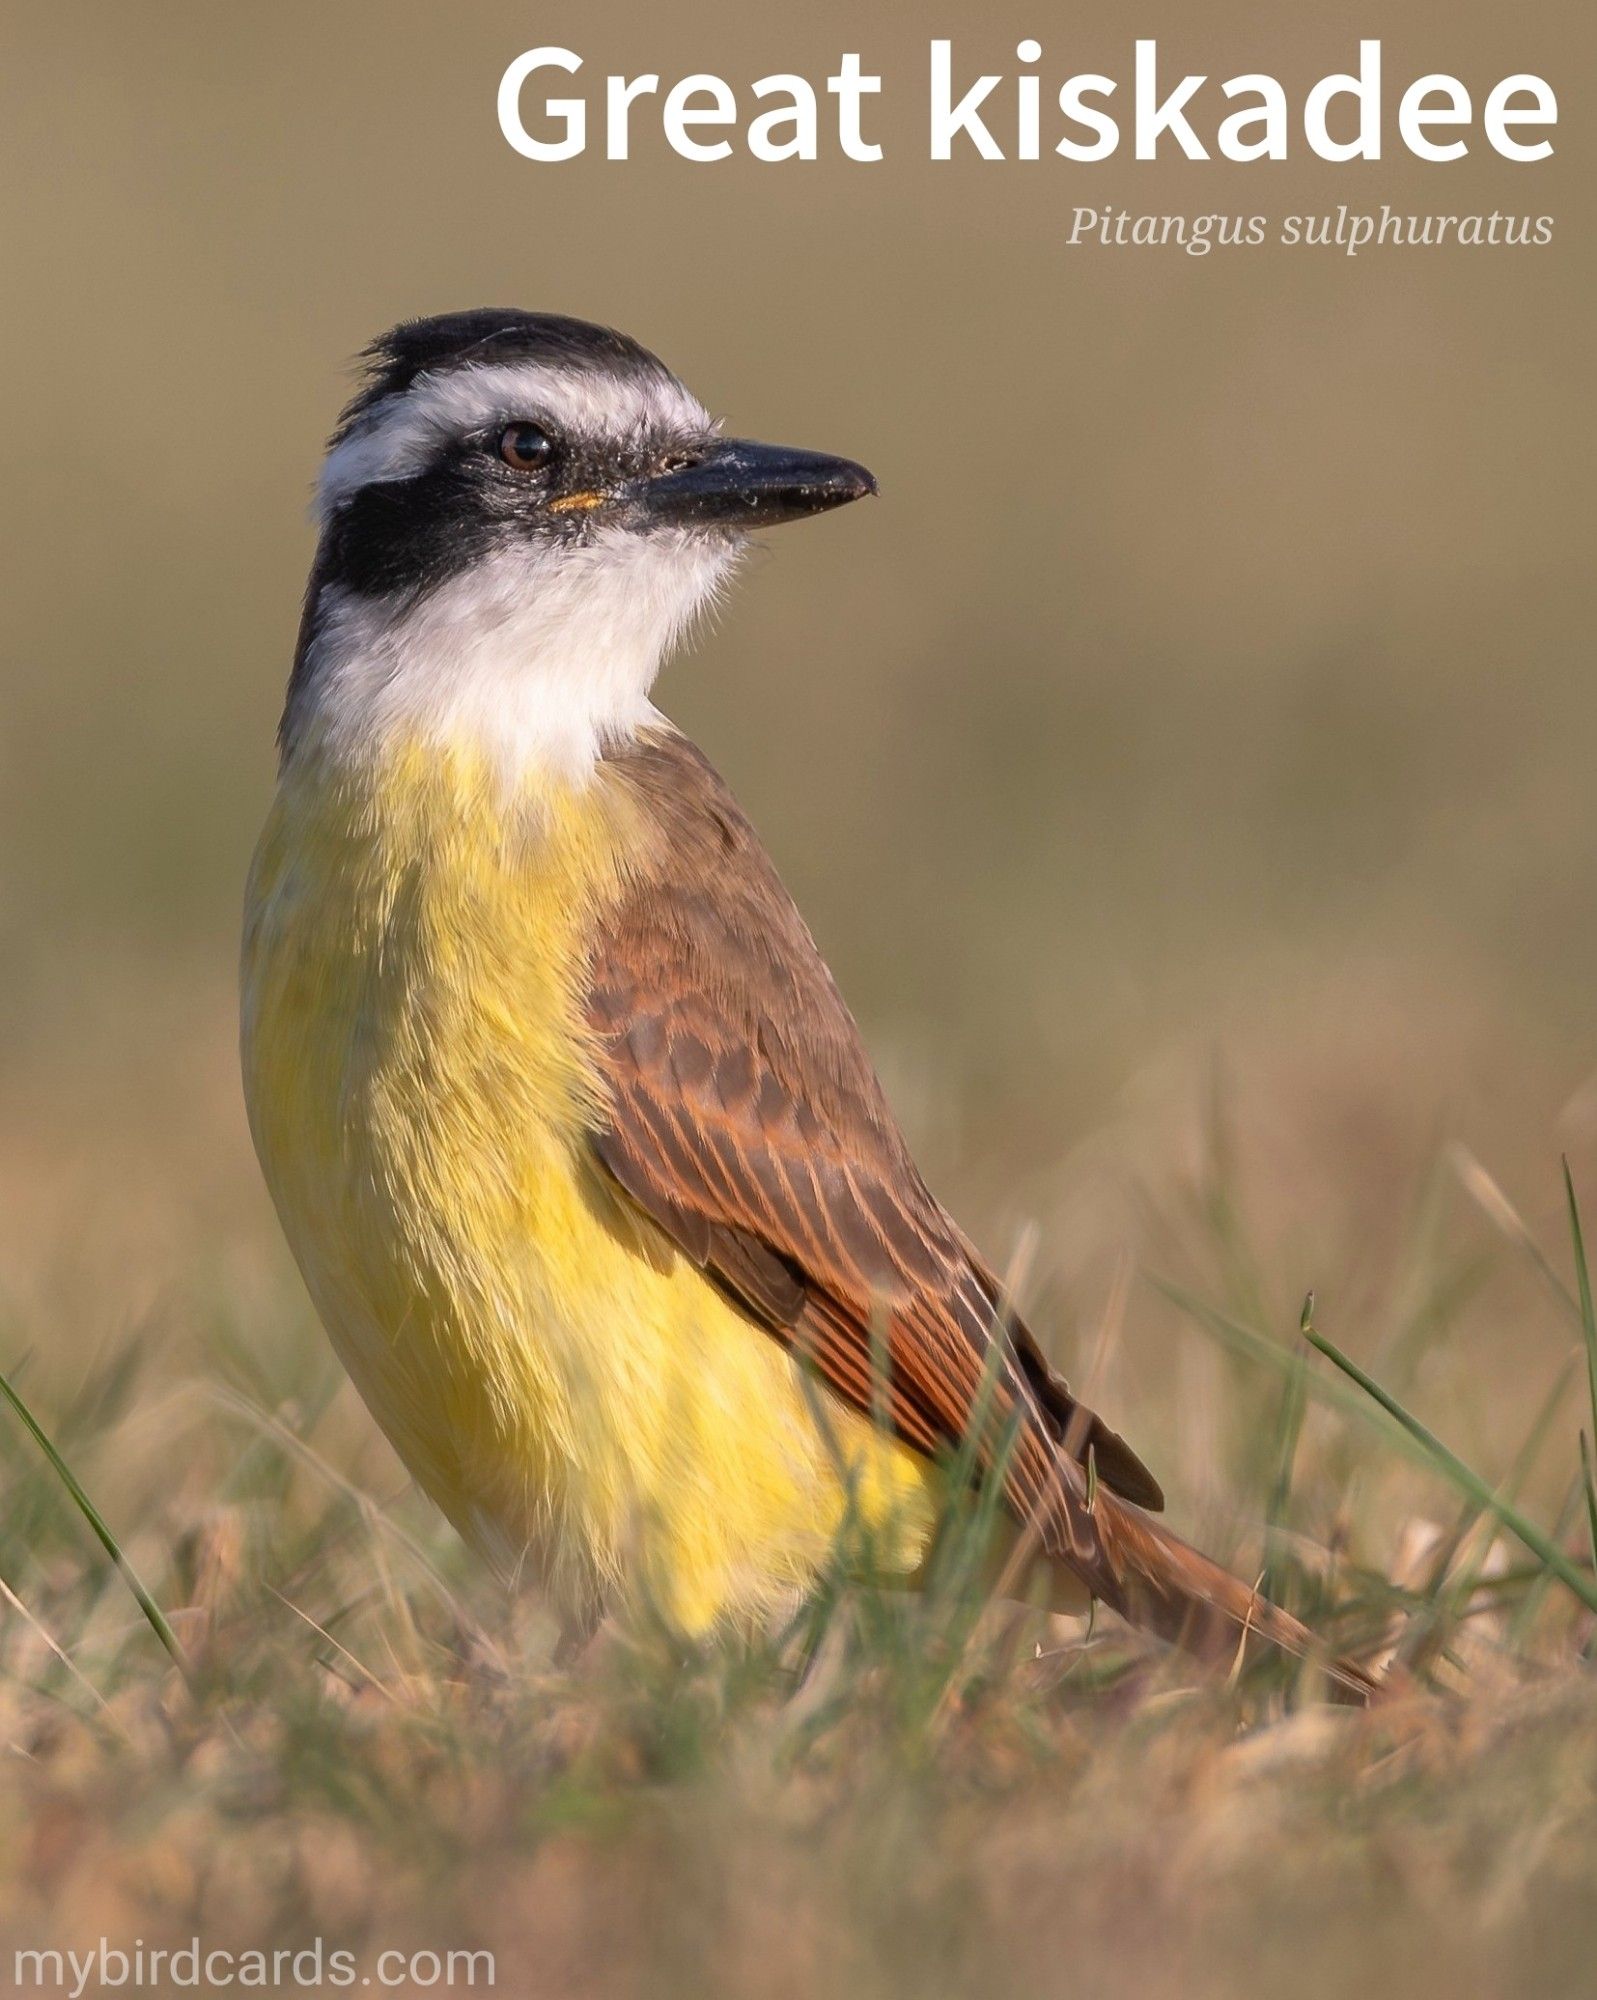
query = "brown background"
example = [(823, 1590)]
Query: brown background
[(1210, 689)]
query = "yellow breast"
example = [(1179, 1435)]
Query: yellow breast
[(420, 1082)]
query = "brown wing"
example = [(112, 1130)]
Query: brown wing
[(745, 1118)]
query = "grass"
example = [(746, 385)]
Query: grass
[(367, 1745), (86, 1507)]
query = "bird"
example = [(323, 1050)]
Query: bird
[(574, 1140)]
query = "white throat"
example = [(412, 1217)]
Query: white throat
[(536, 659)]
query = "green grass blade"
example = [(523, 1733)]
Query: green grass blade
[(1520, 1467), (91, 1514), (1464, 1477), (1588, 1318), (1541, 1583), (1273, 1353), (1449, 1602)]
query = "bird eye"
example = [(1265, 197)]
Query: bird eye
[(526, 447)]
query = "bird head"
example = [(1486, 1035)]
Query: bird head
[(522, 511)]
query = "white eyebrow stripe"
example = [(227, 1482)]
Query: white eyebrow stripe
[(398, 435)]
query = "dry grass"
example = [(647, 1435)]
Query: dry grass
[(891, 1794)]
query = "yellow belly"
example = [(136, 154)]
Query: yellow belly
[(564, 1385)]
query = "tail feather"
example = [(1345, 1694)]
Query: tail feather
[(1164, 1584)]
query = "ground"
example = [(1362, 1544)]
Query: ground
[(373, 1752)]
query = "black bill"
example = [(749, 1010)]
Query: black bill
[(740, 484)]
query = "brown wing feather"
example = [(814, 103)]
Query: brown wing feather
[(745, 1119)]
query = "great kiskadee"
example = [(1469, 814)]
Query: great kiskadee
[(574, 1140)]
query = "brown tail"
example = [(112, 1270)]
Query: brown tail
[(1166, 1585)]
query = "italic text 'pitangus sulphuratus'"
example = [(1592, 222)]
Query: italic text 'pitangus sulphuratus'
[(575, 1142)]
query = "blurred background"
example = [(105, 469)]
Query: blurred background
[(1196, 738)]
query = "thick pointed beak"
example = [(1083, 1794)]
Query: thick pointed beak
[(740, 484)]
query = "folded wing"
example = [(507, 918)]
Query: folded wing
[(746, 1119)]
